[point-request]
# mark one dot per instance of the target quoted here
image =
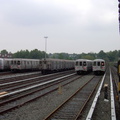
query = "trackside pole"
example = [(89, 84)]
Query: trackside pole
[(119, 79), (119, 59)]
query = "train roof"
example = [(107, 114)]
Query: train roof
[(83, 60), (25, 59), (98, 60), (52, 59)]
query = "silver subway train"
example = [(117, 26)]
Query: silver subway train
[(45, 65), (19, 64), (5, 64), (99, 66), (83, 66), (52, 65)]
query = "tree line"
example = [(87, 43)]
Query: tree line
[(111, 56)]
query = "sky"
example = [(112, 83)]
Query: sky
[(72, 26)]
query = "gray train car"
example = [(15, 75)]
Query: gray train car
[(53, 65), (99, 66), (83, 66), (5, 64), (19, 64)]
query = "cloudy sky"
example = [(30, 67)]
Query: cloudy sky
[(72, 26)]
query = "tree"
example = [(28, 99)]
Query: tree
[(3, 52), (101, 55)]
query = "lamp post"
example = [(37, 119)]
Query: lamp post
[(45, 46), (119, 59)]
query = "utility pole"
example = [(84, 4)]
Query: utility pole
[(45, 46), (119, 59)]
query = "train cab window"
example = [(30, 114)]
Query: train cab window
[(80, 63), (18, 62), (98, 64), (84, 63), (11, 62), (44, 62), (77, 63), (94, 63), (102, 63), (14, 62)]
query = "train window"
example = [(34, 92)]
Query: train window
[(94, 64), (102, 63), (80, 63), (84, 63), (98, 63), (76, 63), (18, 62), (14, 62)]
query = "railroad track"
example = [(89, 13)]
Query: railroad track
[(23, 83), (72, 108), (17, 100), (115, 85), (6, 73)]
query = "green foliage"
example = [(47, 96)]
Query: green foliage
[(3, 52), (33, 54), (111, 56)]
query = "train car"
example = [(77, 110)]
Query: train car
[(53, 65), (83, 66), (99, 66), (5, 64), (19, 64)]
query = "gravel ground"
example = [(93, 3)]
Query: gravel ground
[(40, 108)]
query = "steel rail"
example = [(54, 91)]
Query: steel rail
[(34, 86), (89, 116), (113, 113), (72, 101), (18, 75), (44, 92)]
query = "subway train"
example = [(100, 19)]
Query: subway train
[(47, 65), (53, 65), (19, 64), (83, 66), (99, 66), (5, 64)]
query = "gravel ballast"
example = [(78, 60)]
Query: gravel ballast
[(42, 107)]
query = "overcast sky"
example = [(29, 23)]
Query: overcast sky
[(72, 26)]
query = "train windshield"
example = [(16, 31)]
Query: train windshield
[(80, 63), (18, 62), (98, 63), (84, 63), (102, 63), (94, 64), (76, 63)]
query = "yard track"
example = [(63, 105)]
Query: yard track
[(10, 101), (72, 108)]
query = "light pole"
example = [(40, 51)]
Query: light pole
[(45, 46)]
